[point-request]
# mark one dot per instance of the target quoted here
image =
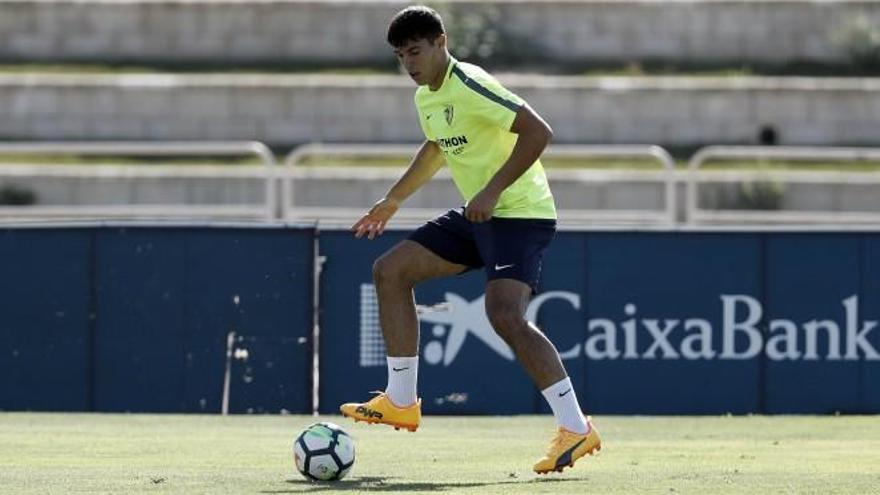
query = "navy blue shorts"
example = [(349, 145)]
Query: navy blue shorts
[(506, 247)]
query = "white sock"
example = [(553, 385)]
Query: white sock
[(403, 373), (563, 401)]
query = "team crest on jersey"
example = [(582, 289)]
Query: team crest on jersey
[(449, 113)]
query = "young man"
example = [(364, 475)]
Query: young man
[(491, 140)]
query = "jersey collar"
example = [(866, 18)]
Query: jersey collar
[(449, 67)]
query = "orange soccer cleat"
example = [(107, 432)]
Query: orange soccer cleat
[(381, 410), (566, 448)]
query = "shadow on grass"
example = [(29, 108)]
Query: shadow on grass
[(390, 484)]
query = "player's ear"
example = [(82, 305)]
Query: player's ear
[(440, 42)]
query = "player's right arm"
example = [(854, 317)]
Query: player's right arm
[(427, 161)]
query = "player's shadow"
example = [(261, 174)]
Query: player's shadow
[(391, 484)]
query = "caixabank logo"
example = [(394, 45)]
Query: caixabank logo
[(744, 331)]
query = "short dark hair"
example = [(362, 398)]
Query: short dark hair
[(413, 24)]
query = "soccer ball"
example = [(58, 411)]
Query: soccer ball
[(323, 452)]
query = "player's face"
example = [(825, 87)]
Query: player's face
[(422, 59)]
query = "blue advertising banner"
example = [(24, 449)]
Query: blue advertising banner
[(171, 297), (869, 307), (704, 322), (137, 319), (45, 319), (656, 311), (646, 323), (811, 308)]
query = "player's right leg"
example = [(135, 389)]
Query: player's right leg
[(395, 274)]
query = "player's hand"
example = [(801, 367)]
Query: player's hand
[(479, 209), (374, 222)]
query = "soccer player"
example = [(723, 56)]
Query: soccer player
[(491, 140)]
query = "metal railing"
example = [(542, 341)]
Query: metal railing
[(664, 177), (272, 206), (264, 210), (336, 214), (696, 214)]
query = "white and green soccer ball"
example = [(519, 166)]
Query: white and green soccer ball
[(323, 452)]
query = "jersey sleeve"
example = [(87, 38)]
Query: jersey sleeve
[(491, 101)]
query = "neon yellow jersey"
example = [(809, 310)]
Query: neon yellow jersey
[(469, 117)]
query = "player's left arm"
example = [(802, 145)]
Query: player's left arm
[(534, 134)]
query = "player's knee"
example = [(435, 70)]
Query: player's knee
[(382, 270), (386, 272), (506, 320)]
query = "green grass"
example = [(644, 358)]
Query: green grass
[(92, 453)]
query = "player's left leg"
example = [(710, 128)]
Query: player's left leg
[(506, 304), (513, 250)]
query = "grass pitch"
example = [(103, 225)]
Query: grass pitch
[(99, 453)]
